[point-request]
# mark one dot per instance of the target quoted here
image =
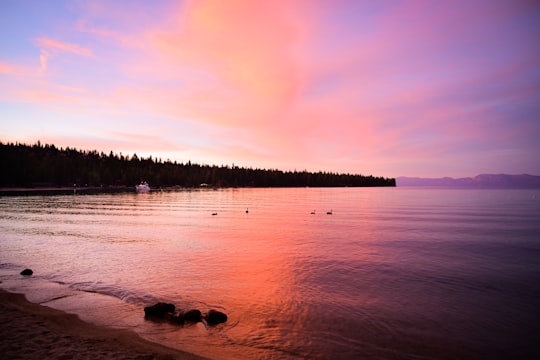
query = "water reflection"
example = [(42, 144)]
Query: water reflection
[(390, 273)]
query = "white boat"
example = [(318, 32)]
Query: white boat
[(143, 187)]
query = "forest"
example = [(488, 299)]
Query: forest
[(38, 166)]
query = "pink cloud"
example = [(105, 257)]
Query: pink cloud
[(5, 68), (17, 69), (51, 44), (245, 47)]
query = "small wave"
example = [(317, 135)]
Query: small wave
[(9, 266), (128, 296)]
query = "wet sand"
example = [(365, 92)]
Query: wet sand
[(33, 331)]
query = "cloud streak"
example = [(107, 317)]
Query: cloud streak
[(56, 45), (51, 46)]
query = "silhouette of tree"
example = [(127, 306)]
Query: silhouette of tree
[(46, 165)]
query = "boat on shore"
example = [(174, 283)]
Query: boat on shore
[(143, 187)]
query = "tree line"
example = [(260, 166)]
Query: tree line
[(49, 166)]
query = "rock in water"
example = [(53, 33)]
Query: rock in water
[(214, 317), (159, 310), (27, 272), (177, 319), (193, 315)]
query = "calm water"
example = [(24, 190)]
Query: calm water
[(396, 273)]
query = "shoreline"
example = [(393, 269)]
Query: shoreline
[(30, 331), (63, 190), (112, 189)]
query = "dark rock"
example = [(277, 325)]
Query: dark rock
[(27, 272), (159, 310), (192, 315), (214, 317), (177, 319)]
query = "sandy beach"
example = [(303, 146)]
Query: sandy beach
[(33, 331)]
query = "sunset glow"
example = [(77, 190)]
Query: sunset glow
[(389, 88)]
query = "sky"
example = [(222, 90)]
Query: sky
[(383, 88)]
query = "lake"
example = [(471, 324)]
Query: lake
[(392, 273)]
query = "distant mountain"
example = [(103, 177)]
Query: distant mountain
[(494, 181)]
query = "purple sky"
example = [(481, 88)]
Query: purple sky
[(389, 88)]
